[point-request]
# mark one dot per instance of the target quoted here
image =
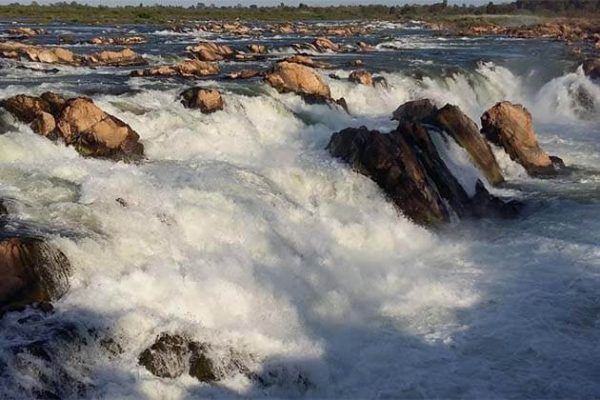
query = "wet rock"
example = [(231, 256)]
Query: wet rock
[(95, 133), (207, 100), (209, 51), (361, 77), (186, 69), (201, 366), (323, 44), (591, 67), (167, 357), (288, 77), (406, 164), (415, 111), (308, 62), (510, 126), (23, 31), (31, 271), (258, 48), (244, 74), (364, 47), (466, 133), (125, 57), (118, 41), (356, 63), (48, 55)]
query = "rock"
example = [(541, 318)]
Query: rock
[(167, 357), (97, 134), (172, 355), (466, 133), (356, 63), (323, 44), (244, 74), (186, 69), (361, 77), (416, 110), (207, 100), (407, 166), (23, 31), (48, 55), (510, 126), (591, 67), (288, 77), (125, 57), (209, 51), (364, 47), (31, 271), (308, 61), (119, 40), (25, 108), (258, 48)]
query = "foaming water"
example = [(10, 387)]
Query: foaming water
[(241, 231)]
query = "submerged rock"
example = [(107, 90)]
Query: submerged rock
[(31, 271), (288, 77), (77, 122), (591, 67), (186, 69), (510, 126), (207, 100)]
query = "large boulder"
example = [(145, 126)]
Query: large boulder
[(31, 271), (97, 134), (210, 51), (510, 126), (48, 55), (288, 77), (207, 100), (323, 44), (186, 69), (78, 122), (125, 57), (466, 133), (452, 121), (173, 355), (407, 166)]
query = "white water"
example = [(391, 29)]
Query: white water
[(241, 231)]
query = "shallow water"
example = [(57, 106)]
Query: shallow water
[(240, 230)]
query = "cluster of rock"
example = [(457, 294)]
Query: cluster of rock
[(408, 166), (25, 32), (186, 68), (210, 51), (77, 122), (117, 41), (61, 56)]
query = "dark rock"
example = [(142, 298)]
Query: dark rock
[(415, 111), (207, 100), (591, 67), (167, 357)]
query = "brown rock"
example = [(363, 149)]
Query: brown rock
[(244, 74), (207, 100), (308, 61), (31, 271), (415, 111), (361, 77), (119, 41), (49, 55), (125, 57), (591, 67), (209, 51), (510, 126), (290, 77), (323, 44), (257, 48), (186, 68), (167, 357), (25, 31), (95, 133), (466, 133)]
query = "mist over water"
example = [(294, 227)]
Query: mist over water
[(241, 231)]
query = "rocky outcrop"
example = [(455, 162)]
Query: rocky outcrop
[(186, 69), (31, 271), (323, 44), (173, 355), (407, 166), (451, 120), (77, 122), (591, 67), (288, 77), (125, 57), (510, 126), (207, 100), (118, 41), (61, 56), (210, 51), (466, 133), (361, 77), (308, 61), (23, 31)]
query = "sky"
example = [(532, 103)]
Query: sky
[(258, 2)]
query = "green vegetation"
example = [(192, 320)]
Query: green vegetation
[(74, 12)]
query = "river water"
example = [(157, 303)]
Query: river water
[(241, 231)]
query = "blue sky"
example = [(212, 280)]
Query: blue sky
[(260, 2)]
